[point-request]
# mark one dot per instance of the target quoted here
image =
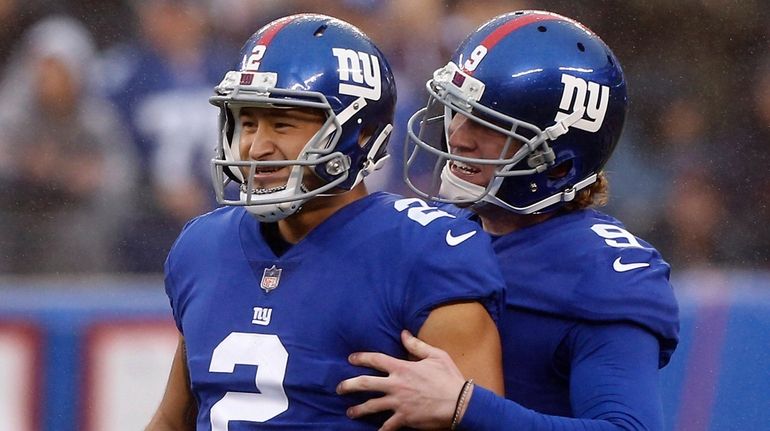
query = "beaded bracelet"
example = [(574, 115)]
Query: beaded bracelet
[(461, 402)]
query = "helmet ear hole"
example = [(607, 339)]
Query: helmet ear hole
[(366, 132), (560, 171)]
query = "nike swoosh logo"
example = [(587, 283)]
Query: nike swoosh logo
[(619, 266), (455, 240)]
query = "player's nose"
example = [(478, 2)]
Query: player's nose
[(462, 140), (259, 145)]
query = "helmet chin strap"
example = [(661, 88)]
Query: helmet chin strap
[(562, 126), (456, 189), (274, 212)]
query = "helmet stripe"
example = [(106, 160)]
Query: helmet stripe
[(274, 28), (514, 24)]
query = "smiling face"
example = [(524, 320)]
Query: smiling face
[(273, 134), (468, 138)]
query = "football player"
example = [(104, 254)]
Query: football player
[(526, 114), (302, 266)]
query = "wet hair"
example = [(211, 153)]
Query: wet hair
[(595, 195)]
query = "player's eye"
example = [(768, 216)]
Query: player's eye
[(282, 125), (248, 124)]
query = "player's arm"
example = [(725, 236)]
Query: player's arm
[(613, 387), (177, 410), (424, 394), (468, 334)]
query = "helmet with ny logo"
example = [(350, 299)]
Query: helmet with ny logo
[(315, 62), (549, 86)]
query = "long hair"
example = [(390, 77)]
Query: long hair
[(595, 195)]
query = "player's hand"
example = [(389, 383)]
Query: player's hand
[(421, 394)]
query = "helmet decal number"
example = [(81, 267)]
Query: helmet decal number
[(574, 98), (475, 58), (359, 73), (252, 62)]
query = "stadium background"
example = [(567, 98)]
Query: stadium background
[(89, 203)]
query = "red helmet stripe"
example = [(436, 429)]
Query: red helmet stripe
[(276, 26), (502, 31)]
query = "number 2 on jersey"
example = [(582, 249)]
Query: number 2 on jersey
[(268, 354), (421, 213)]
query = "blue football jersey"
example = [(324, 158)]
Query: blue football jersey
[(575, 268), (268, 336)]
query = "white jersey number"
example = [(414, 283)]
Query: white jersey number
[(422, 213), (615, 236), (267, 353)]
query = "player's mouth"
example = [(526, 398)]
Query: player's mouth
[(261, 171), (264, 174), (266, 179), (263, 190), (463, 169)]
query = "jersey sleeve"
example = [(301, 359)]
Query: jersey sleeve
[(171, 292), (613, 381), (170, 270), (454, 263)]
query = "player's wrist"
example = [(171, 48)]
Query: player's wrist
[(462, 403)]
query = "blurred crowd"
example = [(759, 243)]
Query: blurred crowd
[(106, 130)]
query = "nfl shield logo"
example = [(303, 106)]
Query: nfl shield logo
[(270, 278)]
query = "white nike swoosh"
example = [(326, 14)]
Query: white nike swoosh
[(619, 266), (454, 240)]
